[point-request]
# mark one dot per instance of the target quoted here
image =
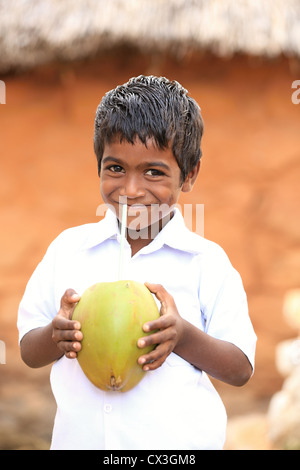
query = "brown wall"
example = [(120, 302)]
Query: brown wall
[(249, 184)]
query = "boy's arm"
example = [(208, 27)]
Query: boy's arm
[(42, 346), (220, 359)]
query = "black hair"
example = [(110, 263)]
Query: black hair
[(151, 107)]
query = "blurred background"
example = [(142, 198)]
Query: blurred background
[(240, 61)]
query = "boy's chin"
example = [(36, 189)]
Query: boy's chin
[(148, 226)]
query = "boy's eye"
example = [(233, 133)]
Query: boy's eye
[(154, 172), (115, 168)]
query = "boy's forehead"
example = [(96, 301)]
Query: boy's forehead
[(147, 141), (150, 144), (146, 151)]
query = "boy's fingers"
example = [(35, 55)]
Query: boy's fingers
[(162, 295), (66, 334), (154, 359), (61, 322), (68, 303), (71, 354), (158, 290), (68, 346), (163, 322), (69, 298)]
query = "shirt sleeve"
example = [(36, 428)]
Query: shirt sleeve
[(37, 307), (226, 308)]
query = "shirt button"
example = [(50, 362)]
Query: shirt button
[(107, 408)]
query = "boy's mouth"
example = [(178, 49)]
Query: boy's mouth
[(134, 205), (139, 205)]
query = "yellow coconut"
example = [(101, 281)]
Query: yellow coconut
[(112, 315)]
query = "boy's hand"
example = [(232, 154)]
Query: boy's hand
[(66, 332), (170, 325)]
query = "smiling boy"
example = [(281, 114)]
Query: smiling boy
[(148, 146), (147, 179)]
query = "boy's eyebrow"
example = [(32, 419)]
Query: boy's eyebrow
[(141, 165), (155, 163), (111, 159)]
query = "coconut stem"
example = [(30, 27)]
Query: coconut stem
[(122, 241)]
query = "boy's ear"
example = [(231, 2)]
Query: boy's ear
[(191, 179)]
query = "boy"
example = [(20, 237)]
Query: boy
[(148, 146)]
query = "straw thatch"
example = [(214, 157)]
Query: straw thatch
[(38, 31)]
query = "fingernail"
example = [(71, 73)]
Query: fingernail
[(141, 343), (78, 335)]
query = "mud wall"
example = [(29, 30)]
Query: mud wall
[(249, 185)]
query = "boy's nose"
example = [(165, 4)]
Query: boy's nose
[(132, 188)]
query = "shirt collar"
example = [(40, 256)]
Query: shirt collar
[(107, 228), (175, 234)]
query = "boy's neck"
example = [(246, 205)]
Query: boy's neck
[(137, 244), (138, 239)]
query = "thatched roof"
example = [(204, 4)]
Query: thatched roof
[(39, 31)]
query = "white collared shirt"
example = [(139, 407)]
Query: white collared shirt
[(175, 406)]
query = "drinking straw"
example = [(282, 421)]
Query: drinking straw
[(122, 241)]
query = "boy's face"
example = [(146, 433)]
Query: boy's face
[(147, 179)]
